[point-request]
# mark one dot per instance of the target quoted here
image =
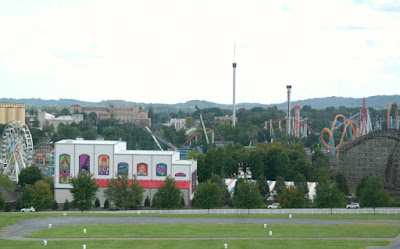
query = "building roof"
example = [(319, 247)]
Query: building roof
[(89, 142), (147, 152), (183, 162)]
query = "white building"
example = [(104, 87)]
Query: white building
[(106, 159), (46, 119), (177, 123)]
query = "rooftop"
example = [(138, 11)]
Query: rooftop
[(90, 142)]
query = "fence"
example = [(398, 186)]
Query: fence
[(258, 211)]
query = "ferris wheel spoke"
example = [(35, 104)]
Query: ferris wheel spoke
[(16, 149)]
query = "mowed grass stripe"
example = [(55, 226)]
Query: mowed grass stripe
[(195, 244), (367, 230)]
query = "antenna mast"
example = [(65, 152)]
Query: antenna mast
[(234, 86)]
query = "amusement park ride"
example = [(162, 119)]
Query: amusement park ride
[(356, 126), (16, 149), (298, 127)]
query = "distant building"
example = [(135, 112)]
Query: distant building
[(47, 119), (177, 123), (107, 160), (124, 114), (224, 119), (12, 111)]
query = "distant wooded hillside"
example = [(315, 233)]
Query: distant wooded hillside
[(377, 102)]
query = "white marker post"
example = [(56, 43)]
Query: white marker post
[(45, 242), (270, 233), (225, 245), (290, 216), (49, 225), (84, 247), (84, 230), (265, 225)]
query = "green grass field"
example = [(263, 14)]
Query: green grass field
[(194, 244), (217, 231), (297, 236)]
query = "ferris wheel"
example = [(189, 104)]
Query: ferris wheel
[(16, 149)]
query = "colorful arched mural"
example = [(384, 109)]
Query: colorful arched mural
[(142, 169), (123, 168), (65, 168), (161, 169), (84, 163), (104, 165)]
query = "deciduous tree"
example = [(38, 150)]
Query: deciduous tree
[(38, 195), (372, 193), (247, 195), (123, 193), (329, 196), (208, 195), (84, 189), (291, 197), (29, 175), (168, 196)]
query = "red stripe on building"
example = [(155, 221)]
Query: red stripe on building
[(148, 184)]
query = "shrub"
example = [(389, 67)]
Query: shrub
[(97, 202), (147, 202), (106, 204), (67, 205), (7, 207), (55, 205)]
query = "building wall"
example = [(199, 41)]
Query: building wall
[(149, 168), (125, 114), (12, 111)]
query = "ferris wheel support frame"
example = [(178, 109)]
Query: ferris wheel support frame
[(16, 149)]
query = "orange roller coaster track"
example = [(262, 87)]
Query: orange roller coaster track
[(332, 147), (397, 115)]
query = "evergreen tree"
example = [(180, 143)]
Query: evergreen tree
[(147, 202), (2, 202), (55, 205), (301, 183), (97, 202), (106, 204), (342, 183), (7, 207), (168, 196), (67, 205), (84, 190), (279, 185), (263, 185), (224, 188)]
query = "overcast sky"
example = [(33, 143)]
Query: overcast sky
[(174, 51)]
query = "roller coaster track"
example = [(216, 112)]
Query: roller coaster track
[(331, 146), (388, 115), (376, 153)]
